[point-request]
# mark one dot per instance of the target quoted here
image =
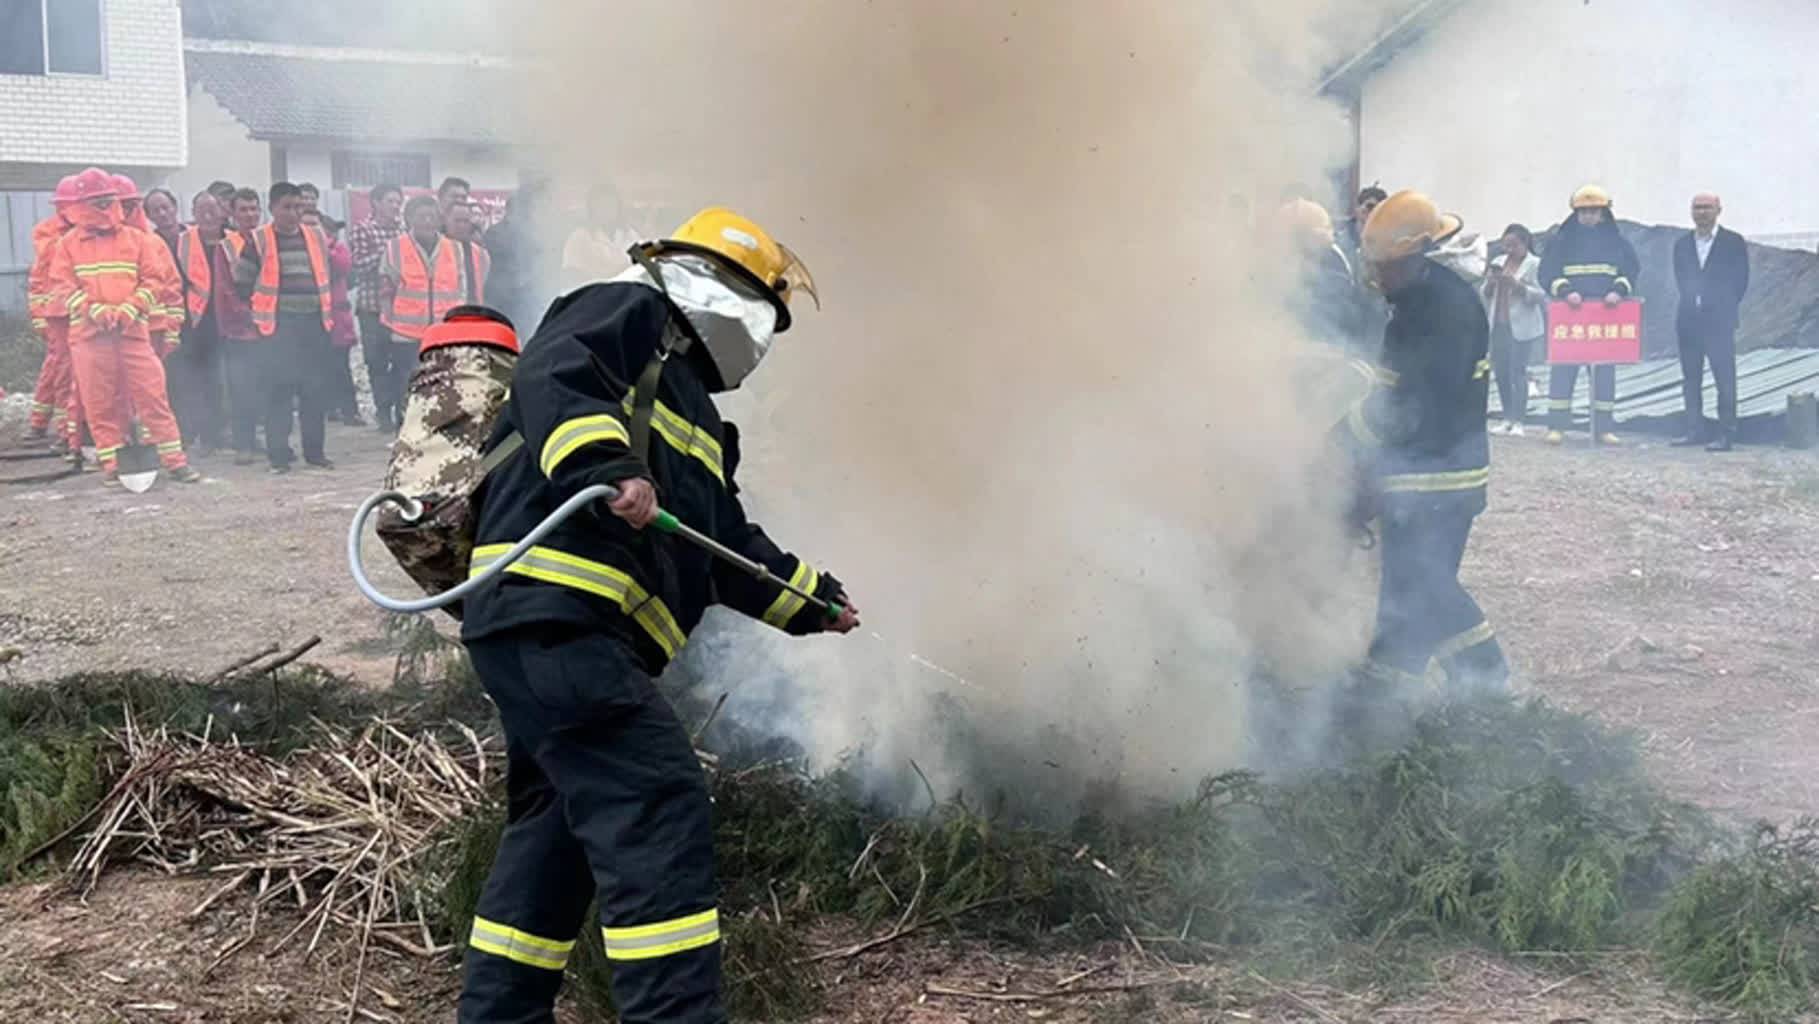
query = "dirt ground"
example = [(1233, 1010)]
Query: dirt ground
[(1672, 593), (130, 953)]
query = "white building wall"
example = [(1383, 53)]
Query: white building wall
[(1505, 108), (484, 168), (219, 150), (132, 115)]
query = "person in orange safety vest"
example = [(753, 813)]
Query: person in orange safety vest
[(424, 275), (55, 378), (109, 279), (284, 274)]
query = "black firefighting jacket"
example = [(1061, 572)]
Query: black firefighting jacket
[(1592, 261), (1419, 431), (571, 402)]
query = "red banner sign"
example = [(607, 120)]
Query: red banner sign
[(1595, 332), (489, 203)]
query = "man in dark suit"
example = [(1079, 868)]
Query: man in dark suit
[(1712, 267)]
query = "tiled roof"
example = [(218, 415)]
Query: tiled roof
[(360, 99)]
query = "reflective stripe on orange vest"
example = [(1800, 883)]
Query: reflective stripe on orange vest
[(265, 292), (198, 273), (423, 296)]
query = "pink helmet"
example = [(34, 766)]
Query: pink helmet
[(124, 187), (66, 191), (93, 184)]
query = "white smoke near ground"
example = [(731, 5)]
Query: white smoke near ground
[(1049, 427)]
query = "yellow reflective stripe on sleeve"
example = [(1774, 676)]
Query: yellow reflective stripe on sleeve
[(512, 944), (685, 437), (547, 565), (1625, 282), (1461, 642), (1361, 428), (77, 300), (1558, 286), (1482, 370), (1433, 483), (787, 604), (665, 938), (582, 430)]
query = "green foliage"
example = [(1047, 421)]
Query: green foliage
[(1516, 826), (1744, 929)]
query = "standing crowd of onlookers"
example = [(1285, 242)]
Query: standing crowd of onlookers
[(1585, 260), (240, 322)]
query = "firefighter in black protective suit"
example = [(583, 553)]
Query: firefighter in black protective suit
[(605, 796), (1423, 455), (1587, 259)]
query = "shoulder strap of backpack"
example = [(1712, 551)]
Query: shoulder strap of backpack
[(644, 404), (506, 448)]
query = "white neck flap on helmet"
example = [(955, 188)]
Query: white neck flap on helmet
[(735, 323)]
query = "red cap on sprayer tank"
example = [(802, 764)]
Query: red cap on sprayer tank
[(471, 325)]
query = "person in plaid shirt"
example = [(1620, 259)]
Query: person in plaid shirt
[(367, 241)]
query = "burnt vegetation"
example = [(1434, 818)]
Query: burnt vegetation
[(1509, 826)]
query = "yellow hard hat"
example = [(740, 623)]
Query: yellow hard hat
[(748, 250), (1406, 224), (1305, 221), (1591, 197)]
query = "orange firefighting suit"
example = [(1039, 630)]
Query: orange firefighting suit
[(114, 282), (55, 378)]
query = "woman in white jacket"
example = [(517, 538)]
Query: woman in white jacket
[(1517, 307)]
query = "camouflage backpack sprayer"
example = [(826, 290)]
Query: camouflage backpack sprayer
[(462, 381)]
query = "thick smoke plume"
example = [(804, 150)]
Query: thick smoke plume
[(1050, 427)]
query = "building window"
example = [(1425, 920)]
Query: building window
[(59, 37), (359, 169)]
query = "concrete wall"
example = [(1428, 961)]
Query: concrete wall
[(219, 147), (132, 115), (219, 150), (1505, 108)]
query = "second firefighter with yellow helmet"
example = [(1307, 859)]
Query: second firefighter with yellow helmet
[(1589, 259), (1422, 454), (605, 797)]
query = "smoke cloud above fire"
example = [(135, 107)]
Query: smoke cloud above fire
[(1051, 426)]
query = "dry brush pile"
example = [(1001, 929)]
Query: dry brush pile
[(334, 815)]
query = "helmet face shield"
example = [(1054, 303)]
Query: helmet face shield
[(795, 277), (735, 320)]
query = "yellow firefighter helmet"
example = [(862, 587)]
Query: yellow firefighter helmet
[(1306, 222), (1406, 224), (1591, 197), (749, 251)]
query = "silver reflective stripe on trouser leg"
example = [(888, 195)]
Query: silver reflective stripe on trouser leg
[(649, 941), (521, 946)]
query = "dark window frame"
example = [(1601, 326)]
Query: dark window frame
[(403, 168), (43, 67)]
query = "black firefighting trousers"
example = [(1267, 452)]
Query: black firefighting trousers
[(1423, 612), (1560, 383), (604, 797)]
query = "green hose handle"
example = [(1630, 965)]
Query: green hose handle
[(665, 522)]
